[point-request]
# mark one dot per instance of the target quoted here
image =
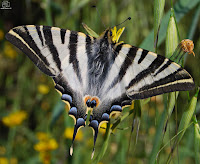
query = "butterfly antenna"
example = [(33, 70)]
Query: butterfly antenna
[(129, 18), (99, 15)]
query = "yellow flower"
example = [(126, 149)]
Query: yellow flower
[(68, 134), (9, 51), (45, 157), (116, 34), (45, 145), (43, 89), (4, 160), (42, 136), (1, 34), (15, 118)]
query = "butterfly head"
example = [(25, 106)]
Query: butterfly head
[(112, 34)]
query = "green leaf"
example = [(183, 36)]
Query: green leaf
[(161, 124), (185, 121), (90, 31), (181, 8), (194, 24), (172, 36), (197, 142), (158, 13), (171, 44), (57, 112)]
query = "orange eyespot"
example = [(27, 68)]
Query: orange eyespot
[(86, 98), (187, 45), (96, 99)]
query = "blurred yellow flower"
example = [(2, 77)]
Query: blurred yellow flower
[(15, 118), (45, 157), (9, 51), (45, 145), (1, 34), (43, 89), (42, 136), (4, 160), (68, 134)]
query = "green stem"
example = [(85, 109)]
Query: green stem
[(48, 12), (121, 119), (162, 123), (9, 147), (88, 117), (105, 144), (107, 135)]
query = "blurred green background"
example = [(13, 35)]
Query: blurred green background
[(24, 88)]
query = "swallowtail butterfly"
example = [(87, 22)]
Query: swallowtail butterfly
[(100, 75)]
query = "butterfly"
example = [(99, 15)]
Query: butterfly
[(98, 75)]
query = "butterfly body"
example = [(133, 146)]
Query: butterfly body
[(100, 75)]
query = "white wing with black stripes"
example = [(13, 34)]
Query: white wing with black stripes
[(97, 74)]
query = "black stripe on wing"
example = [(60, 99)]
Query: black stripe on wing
[(29, 48), (117, 49), (143, 55), (151, 69), (73, 40), (88, 46), (49, 42), (62, 35), (160, 90), (180, 80), (62, 85), (124, 67), (177, 75), (39, 34), (163, 67)]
